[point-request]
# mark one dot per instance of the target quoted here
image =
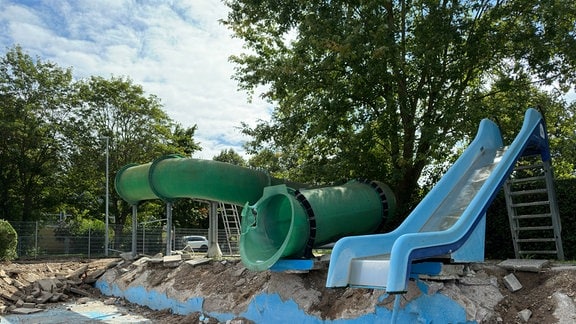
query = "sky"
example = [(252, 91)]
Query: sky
[(176, 50)]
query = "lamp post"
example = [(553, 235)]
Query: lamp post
[(106, 243)]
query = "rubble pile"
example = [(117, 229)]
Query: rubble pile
[(25, 292)]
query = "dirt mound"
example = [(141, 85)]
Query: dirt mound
[(537, 295)]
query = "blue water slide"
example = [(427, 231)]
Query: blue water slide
[(448, 223)]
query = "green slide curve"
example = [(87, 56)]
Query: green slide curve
[(172, 177), (280, 219), (288, 223)]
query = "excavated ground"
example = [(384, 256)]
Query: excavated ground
[(227, 286)]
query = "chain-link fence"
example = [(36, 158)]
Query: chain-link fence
[(46, 239)]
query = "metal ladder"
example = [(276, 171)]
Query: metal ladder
[(533, 209), (231, 221)]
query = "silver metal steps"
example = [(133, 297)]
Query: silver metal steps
[(231, 221), (533, 209)]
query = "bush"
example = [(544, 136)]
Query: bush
[(8, 241)]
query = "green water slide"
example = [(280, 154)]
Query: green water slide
[(172, 177), (280, 219), (288, 223)]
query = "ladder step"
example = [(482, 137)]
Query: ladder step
[(530, 204), (529, 166), (528, 192), (527, 179), (548, 215), (538, 252), (536, 240), (535, 228), (532, 182)]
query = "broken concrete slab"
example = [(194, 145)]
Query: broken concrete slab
[(44, 297), (524, 315), (156, 260), (447, 272), (475, 281), (527, 265), (56, 297), (78, 273), (563, 267), (172, 260), (512, 283), (79, 291), (26, 311), (565, 310), (13, 297), (49, 284), (93, 276), (141, 261), (195, 262)]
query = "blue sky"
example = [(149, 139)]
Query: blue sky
[(177, 50)]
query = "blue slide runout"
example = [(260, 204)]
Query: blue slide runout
[(448, 222)]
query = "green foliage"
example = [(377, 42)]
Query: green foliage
[(35, 100), (230, 156), (59, 134), (189, 213), (80, 226), (384, 89), (8, 241)]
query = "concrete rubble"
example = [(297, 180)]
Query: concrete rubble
[(524, 315), (565, 311), (474, 286), (27, 293), (512, 283)]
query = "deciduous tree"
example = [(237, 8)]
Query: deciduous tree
[(118, 113), (35, 101), (383, 89)]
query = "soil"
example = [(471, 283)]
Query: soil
[(226, 285), (537, 295)]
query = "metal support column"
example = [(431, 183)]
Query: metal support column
[(168, 228), (214, 249), (134, 229)]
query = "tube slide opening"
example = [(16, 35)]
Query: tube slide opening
[(288, 223), (272, 229)]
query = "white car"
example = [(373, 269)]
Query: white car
[(195, 242)]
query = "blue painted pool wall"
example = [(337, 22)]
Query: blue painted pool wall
[(271, 308)]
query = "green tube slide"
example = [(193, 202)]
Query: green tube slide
[(172, 177), (288, 223), (278, 221)]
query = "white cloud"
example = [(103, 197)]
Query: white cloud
[(177, 51)]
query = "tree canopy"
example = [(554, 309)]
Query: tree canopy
[(35, 98), (55, 134), (385, 89)]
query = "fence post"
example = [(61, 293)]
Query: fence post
[(36, 252), (144, 239), (89, 236)]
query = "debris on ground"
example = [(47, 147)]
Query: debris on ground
[(546, 295), (27, 288)]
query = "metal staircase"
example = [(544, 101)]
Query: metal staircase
[(231, 221), (533, 209)]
